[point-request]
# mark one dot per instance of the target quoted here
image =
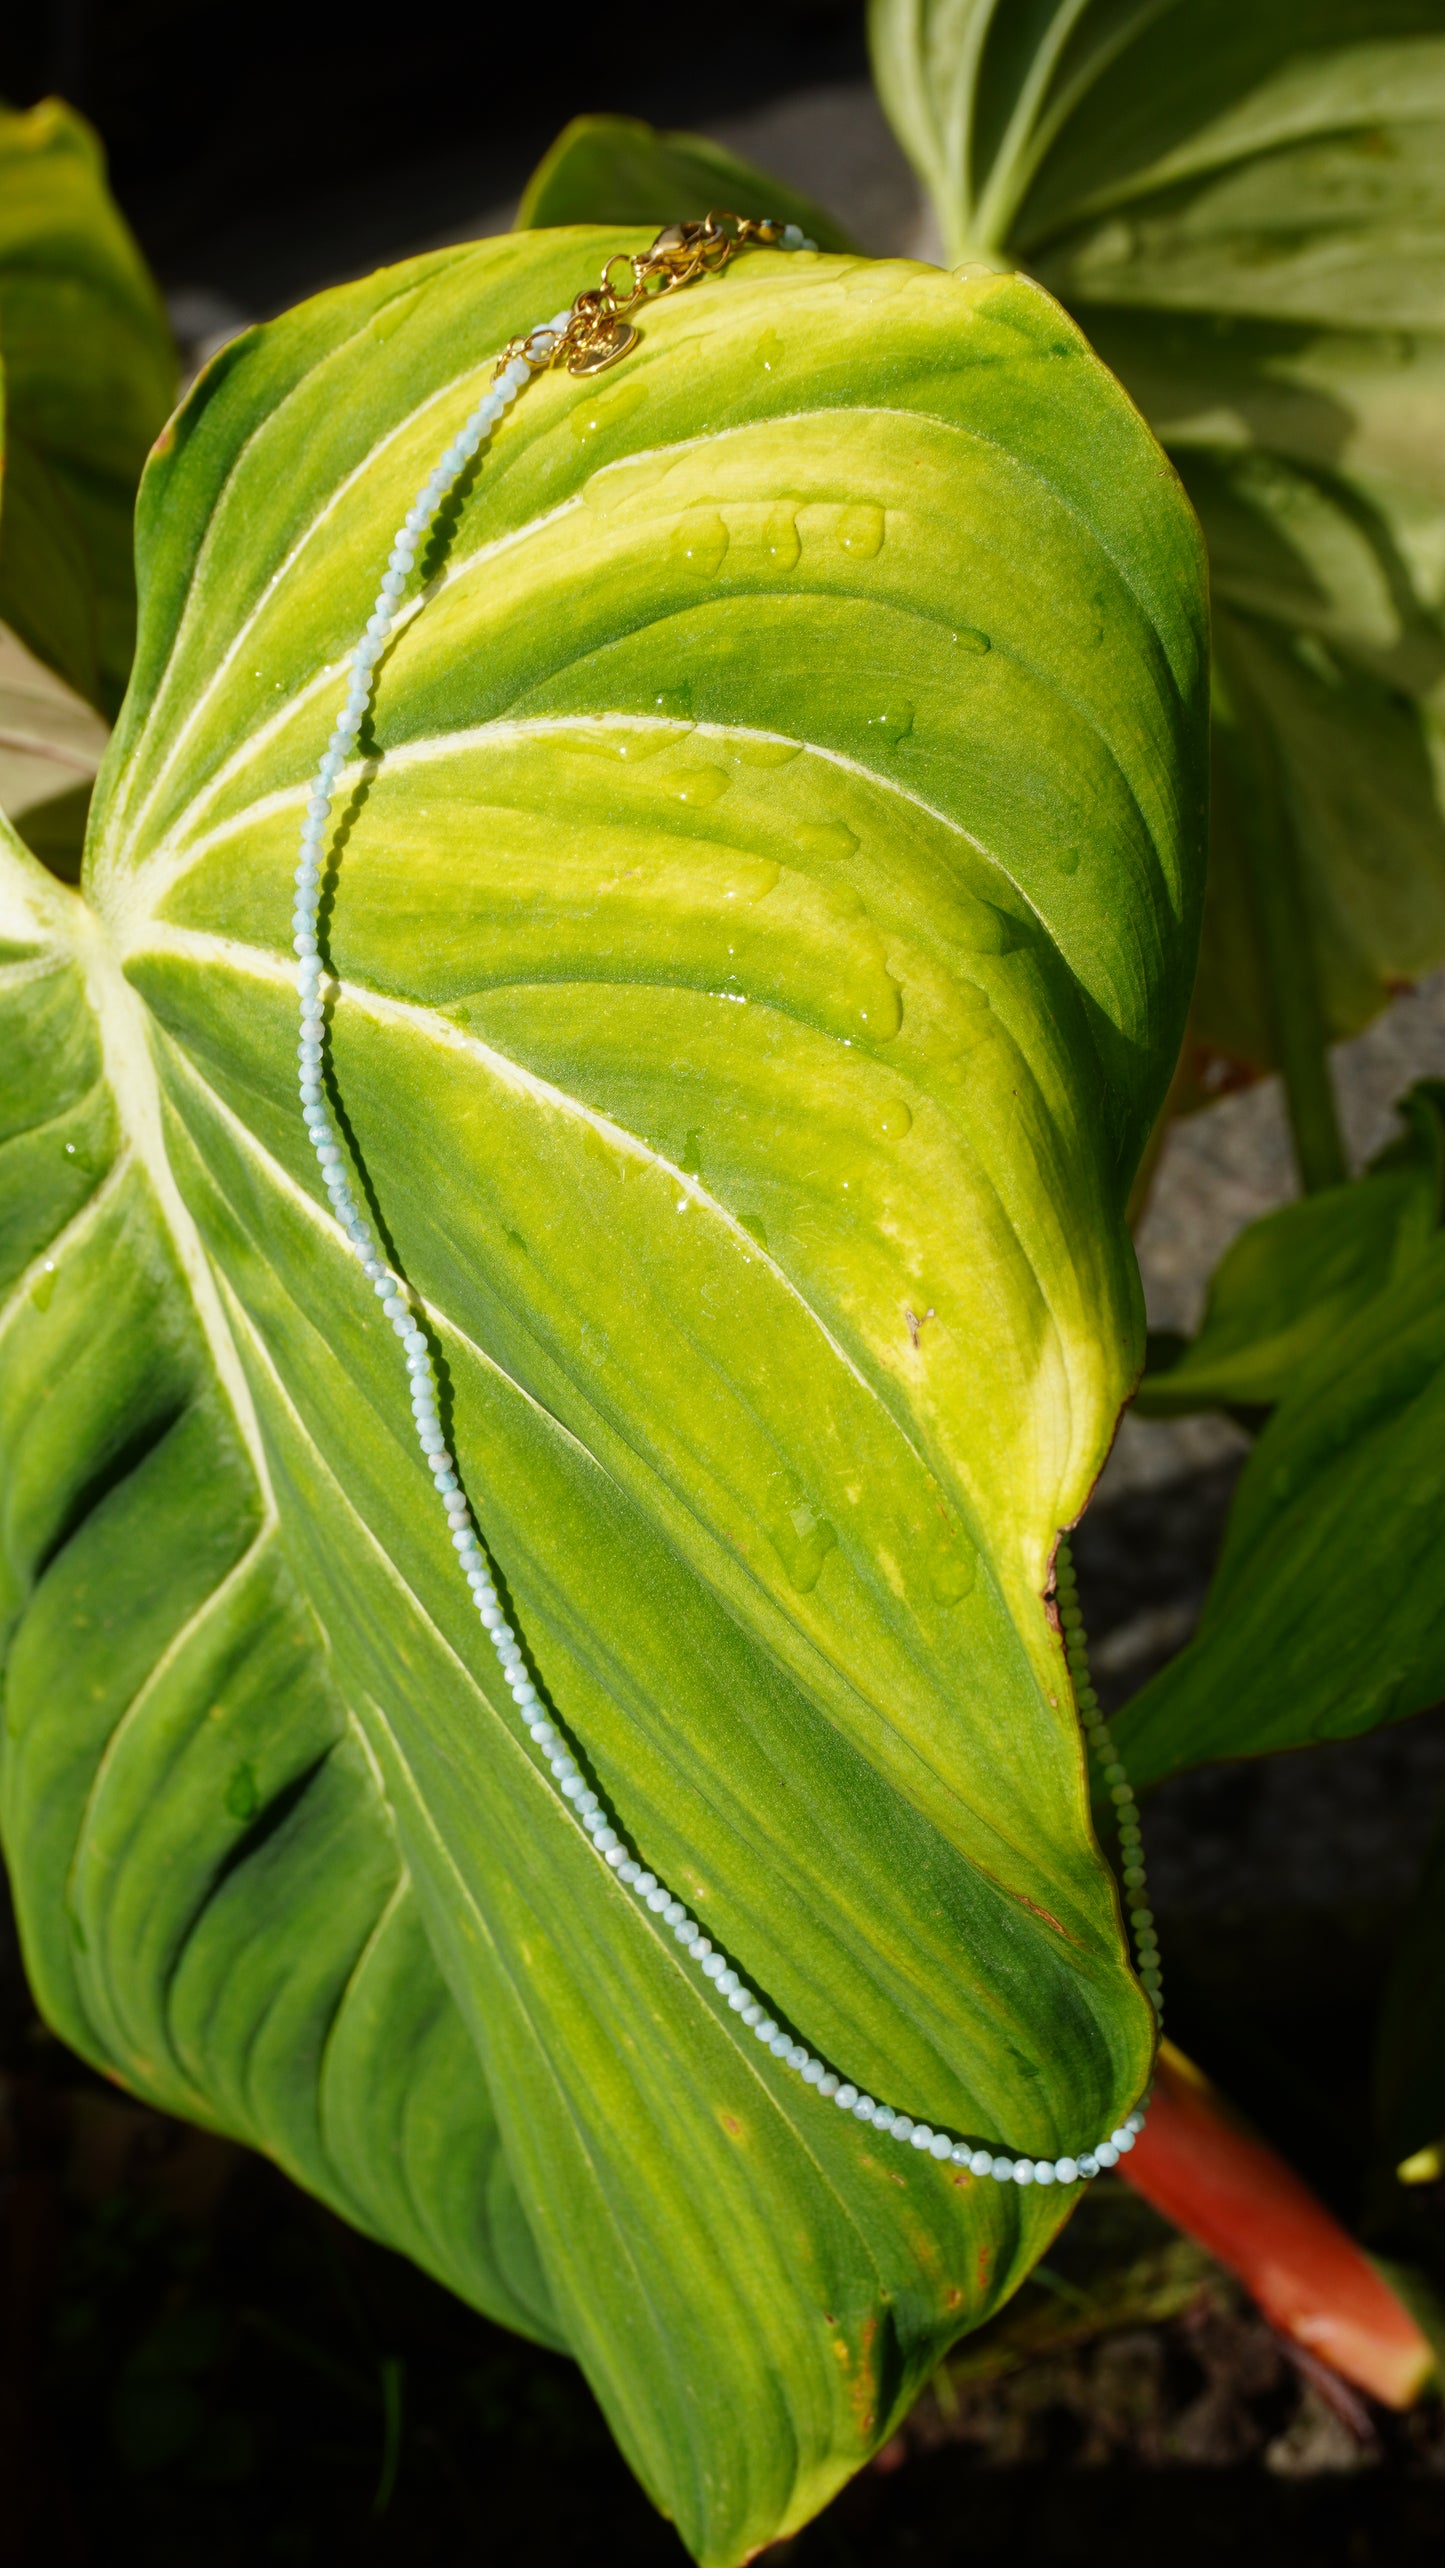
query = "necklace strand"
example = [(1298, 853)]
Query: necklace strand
[(593, 333)]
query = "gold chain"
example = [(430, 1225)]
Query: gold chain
[(599, 327)]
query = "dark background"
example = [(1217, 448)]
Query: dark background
[(247, 137)]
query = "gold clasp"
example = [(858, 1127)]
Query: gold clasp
[(599, 329)]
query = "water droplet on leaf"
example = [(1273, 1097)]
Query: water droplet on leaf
[(894, 721), (601, 411), (828, 838), (695, 785), (43, 1287), (752, 752), (699, 542), (780, 539), (859, 530), (895, 1120), (769, 349), (969, 638)]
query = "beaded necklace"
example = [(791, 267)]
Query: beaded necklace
[(592, 334)]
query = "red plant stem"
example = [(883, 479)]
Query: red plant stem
[(1227, 2189)]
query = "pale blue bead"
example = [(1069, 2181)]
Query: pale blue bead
[(1002, 2170), (752, 2014), (902, 2126), (609, 1842), (1023, 2171), (738, 1999), (1134, 2121), (961, 2154), (797, 2055), (884, 2117), (812, 2072), (431, 1444), (863, 2109), (714, 1966), (1043, 2171), (1122, 2140), (940, 2146), (1088, 2163), (645, 1882), (921, 2135), (628, 1871), (616, 1856), (318, 807), (1105, 2154), (727, 1981), (1067, 2170), (845, 2097)]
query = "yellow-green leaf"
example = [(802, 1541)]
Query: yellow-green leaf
[(763, 915)]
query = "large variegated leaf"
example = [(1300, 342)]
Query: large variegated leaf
[(762, 921), (90, 374), (1243, 203)]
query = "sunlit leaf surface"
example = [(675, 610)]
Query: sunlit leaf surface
[(762, 918)]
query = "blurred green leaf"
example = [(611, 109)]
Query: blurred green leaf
[(616, 169), (51, 743), (90, 374), (695, 823), (1292, 1281), (1243, 203), (1327, 1612)]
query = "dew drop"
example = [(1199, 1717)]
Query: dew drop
[(691, 1160), (752, 1223), (859, 530), (699, 542), (780, 538), (969, 638), (43, 1286), (952, 1572), (895, 1120), (829, 838), (894, 721), (769, 350), (750, 751), (1067, 859), (696, 785), (606, 410)]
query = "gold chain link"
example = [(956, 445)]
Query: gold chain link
[(600, 328)]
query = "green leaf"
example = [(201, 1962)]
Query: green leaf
[(1244, 207), (1291, 1281), (763, 918), (90, 374), (616, 169), (51, 743), (1327, 1611)]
